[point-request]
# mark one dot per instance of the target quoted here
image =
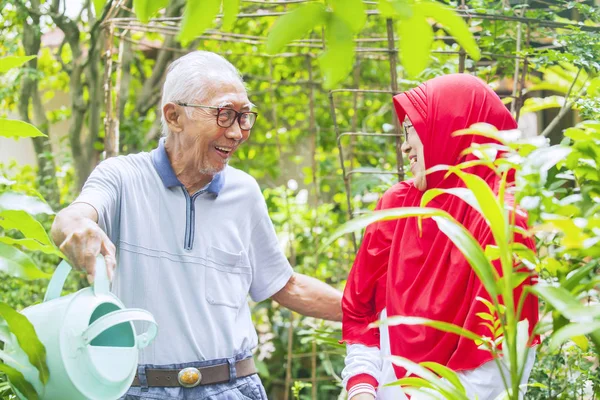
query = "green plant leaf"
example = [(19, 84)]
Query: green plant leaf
[(486, 317), (32, 244), (493, 212), (581, 342), (522, 342), (550, 86), (99, 6), (447, 374), (412, 381), (10, 62), (472, 251), (295, 25), (464, 193), (594, 87), (567, 304), (28, 340), (517, 279), (453, 23), (18, 381), (577, 275), (492, 252), (146, 9), (541, 160), (491, 307), (577, 134), (440, 325), (352, 12), (457, 233), (29, 204), (445, 388), (364, 220), (230, 12), (524, 253), (395, 8), (535, 104), (489, 206), (13, 128), (24, 222), (489, 131), (336, 61), (425, 394), (415, 53), (262, 368), (18, 264), (198, 16), (572, 330)]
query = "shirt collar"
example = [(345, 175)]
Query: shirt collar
[(163, 167)]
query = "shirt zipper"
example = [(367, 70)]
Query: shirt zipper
[(190, 216)]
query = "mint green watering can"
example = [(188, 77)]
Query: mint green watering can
[(90, 339)]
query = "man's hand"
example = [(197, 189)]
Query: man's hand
[(79, 237), (363, 396), (311, 297)]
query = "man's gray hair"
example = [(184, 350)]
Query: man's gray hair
[(192, 77)]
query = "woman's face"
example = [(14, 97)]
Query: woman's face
[(413, 148)]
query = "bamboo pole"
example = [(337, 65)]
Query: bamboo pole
[(288, 369), (110, 140), (393, 54)]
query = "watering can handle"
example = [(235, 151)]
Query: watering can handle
[(55, 287), (118, 317), (101, 283), (58, 281)]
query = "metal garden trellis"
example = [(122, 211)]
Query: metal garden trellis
[(380, 48)]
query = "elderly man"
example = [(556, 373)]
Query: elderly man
[(192, 238)]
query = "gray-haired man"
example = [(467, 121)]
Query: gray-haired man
[(192, 238)]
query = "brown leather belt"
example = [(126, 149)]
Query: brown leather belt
[(190, 377)]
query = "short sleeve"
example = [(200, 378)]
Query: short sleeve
[(271, 269), (102, 190)]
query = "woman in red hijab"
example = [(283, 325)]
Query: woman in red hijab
[(399, 271)]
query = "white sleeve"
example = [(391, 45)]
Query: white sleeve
[(271, 269), (102, 190), (361, 359)]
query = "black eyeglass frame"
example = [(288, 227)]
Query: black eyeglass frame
[(405, 128), (238, 115)]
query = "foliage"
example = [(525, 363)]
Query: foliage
[(16, 214), (569, 373), (341, 20), (300, 225)]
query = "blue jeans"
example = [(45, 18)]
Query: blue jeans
[(248, 388)]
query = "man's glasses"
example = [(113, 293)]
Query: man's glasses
[(226, 116)]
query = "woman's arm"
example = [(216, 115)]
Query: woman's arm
[(362, 372)]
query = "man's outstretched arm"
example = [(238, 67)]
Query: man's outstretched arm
[(310, 297)]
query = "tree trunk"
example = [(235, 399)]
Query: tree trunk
[(29, 94), (152, 86), (84, 71)]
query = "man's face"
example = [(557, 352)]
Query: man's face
[(208, 145)]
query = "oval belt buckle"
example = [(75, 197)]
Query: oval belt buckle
[(189, 377)]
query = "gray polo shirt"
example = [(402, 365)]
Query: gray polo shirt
[(189, 260)]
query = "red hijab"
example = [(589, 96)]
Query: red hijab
[(425, 275)]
